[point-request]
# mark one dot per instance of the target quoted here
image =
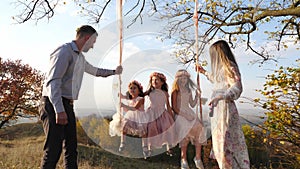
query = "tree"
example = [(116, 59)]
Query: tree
[(282, 108), (20, 91), (236, 20)]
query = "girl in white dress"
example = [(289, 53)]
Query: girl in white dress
[(229, 147), (189, 128), (134, 121)]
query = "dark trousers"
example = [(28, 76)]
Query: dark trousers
[(58, 137)]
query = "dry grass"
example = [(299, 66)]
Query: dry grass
[(21, 148)]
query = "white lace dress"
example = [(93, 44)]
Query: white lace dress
[(132, 123)]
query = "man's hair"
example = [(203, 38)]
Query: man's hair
[(85, 30)]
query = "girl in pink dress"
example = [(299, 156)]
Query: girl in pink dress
[(229, 147), (134, 121), (160, 128), (189, 128)]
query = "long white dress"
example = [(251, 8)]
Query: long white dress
[(188, 125), (229, 147)]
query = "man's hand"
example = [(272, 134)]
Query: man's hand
[(119, 70), (61, 118)]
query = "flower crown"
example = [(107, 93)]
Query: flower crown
[(182, 73), (160, 75), (136, 83)]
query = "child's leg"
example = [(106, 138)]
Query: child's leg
[(184, 145), (122, 139), (145, 144), (169, 150), (197, 159), (146, 153), (183, 152), (198, 151), (122, 142)]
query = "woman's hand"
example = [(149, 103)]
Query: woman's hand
[(200, 69), (215, 100)]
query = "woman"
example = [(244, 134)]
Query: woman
[(229, 147)]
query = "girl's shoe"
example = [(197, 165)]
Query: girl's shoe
[(122, 147), (184, 164), (145, 152), (198, 163)]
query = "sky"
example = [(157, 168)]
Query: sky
[(142, 53)]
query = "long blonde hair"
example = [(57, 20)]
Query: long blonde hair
[(189, 85), (221, 58)]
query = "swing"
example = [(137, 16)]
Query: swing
[(199, 104), (120, 40)]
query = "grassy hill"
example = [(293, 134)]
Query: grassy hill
[(21, 148)]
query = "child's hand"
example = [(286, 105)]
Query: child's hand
[(198, 92), (124, 106), (203, 100), (171, 113), (122, 96)]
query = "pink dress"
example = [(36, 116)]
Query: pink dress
[(188, 125), (229, 147), (161, 128)]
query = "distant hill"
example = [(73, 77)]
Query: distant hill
[(247, 116)]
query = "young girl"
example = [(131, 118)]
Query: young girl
[(134, 121), (229, 147), (160, 127), (188, 126)]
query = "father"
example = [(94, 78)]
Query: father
[(60, 89)]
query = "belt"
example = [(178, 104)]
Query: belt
[(70, 101)]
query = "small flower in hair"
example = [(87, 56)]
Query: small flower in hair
[(136, 83), (160, 75), (180, 73)]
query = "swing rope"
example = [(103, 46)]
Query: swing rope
[(120, 23), (195, 18)]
